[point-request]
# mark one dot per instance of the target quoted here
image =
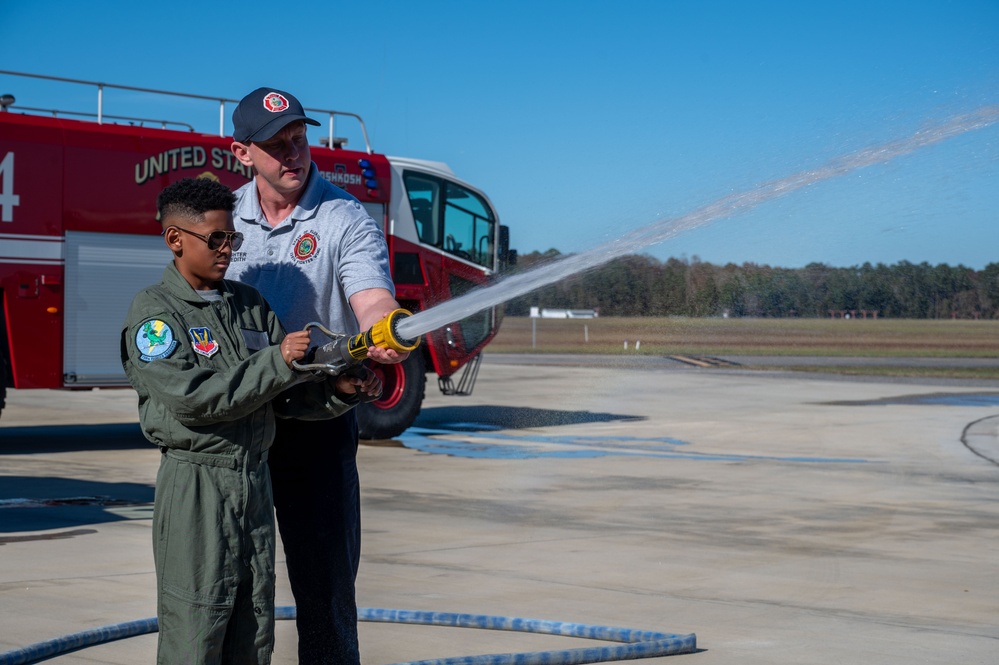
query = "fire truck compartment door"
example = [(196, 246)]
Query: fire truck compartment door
[(104, 271)]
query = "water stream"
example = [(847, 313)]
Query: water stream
[(517, 285)]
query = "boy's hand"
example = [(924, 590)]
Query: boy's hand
[(360, 381), (294, 346)]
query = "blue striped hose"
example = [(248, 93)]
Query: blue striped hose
[(637, 643), (40, 651)]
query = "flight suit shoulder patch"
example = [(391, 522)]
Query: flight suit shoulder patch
[(154, 339)]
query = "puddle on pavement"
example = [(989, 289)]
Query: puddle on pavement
[(69, 501), (484, 441), (932, 399)]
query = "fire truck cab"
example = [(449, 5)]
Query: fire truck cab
[(79, 238)]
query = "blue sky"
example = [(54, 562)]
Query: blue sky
[(584, 120)]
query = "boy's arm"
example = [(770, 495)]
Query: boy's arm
[(309, 399), (158, 354)]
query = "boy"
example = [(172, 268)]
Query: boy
[(212, 367)]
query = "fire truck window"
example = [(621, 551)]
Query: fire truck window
[(423, 201), (468, 225), (424, 218)]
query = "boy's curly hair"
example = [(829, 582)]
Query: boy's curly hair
[(193, 197)]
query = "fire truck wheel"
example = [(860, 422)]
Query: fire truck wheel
[(403, 387), (3, 381)]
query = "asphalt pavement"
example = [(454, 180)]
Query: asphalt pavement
[(783, 518)]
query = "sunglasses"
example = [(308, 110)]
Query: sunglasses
[(216, 240)]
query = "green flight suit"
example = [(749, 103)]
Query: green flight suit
[(210, 381)]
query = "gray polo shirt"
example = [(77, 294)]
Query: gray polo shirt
[(307, 266)]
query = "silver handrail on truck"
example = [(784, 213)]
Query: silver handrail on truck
[(331, 141)]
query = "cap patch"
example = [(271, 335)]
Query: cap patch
[(154, 339), (275, 102), (203, 342)]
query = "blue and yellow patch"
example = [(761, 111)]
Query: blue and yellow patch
[(154, 339)]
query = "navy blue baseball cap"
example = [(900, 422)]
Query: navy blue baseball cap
[(265, 112)]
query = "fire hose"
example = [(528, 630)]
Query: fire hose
[(633, 643)]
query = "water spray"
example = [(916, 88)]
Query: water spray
[(401, 330), (657, 232)]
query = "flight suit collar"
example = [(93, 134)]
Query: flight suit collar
[(179, 287)]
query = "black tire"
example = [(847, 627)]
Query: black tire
[(3, 380), (403, 388)]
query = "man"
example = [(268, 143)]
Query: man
[(316, 255)]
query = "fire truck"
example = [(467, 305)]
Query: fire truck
[(79, 238)]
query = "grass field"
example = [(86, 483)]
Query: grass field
[(869, 338)]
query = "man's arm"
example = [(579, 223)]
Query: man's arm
[(370, 306)]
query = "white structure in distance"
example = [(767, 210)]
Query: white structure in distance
[(546, 313)]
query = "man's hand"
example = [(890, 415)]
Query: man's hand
[(370, 306), (386, 356), (294, 346)]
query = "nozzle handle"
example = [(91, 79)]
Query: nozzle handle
[(361, 372)]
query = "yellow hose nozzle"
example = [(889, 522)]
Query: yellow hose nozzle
[(382, 334), (343, 353)]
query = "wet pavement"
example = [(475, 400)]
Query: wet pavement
[(782, 518)]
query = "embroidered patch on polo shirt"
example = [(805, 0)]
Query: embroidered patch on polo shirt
[(306, 247), (154, 339)]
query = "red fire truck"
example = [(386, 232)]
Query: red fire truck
[(79, 238)]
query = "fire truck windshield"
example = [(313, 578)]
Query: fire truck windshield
[(452, 218)]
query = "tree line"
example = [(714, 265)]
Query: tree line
[(641, 285)]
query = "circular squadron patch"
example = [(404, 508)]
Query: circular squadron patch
[(154, 339)]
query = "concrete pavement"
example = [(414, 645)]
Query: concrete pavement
[(783, 519)]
